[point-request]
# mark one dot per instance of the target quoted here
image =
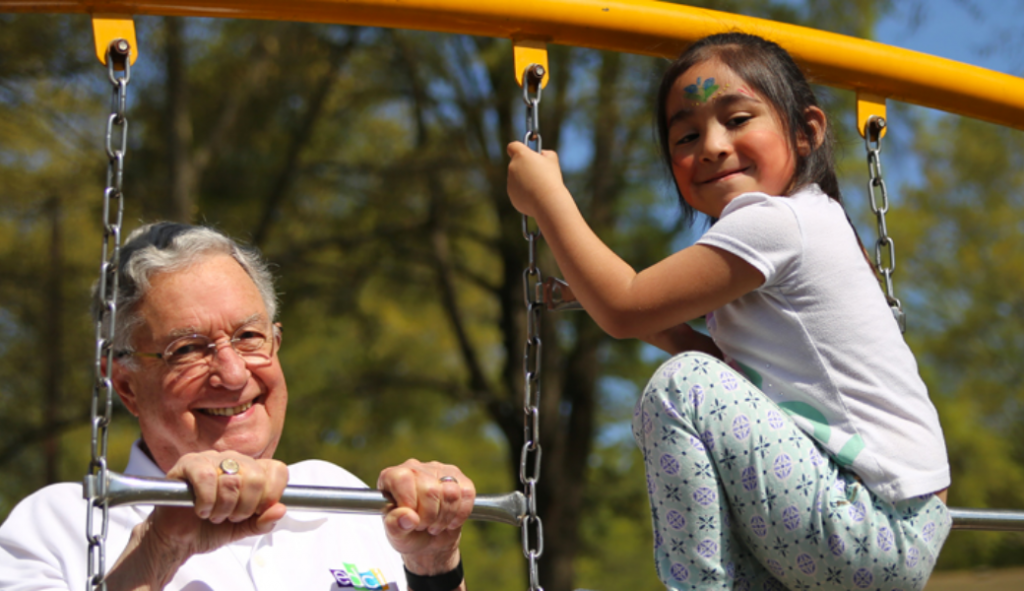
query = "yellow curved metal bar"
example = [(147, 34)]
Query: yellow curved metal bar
[(634, 26)]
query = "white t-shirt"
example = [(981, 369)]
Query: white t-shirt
[(43, 545), (820, 340)]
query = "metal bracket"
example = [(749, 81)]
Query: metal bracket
[(558, 296), (107, 28), (868, 105), (529, 51)]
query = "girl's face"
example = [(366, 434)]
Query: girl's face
[(725, 139)]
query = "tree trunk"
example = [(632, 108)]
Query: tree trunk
[(181, 170), (53, 343)]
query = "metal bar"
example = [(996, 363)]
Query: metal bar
[(633, 26), (136, 490), (987, 519), (505, 508)]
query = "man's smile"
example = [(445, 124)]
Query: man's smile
[(228, 412)]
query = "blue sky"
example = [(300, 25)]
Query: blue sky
[(986, 33)]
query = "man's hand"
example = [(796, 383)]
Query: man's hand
[(228, 507), (432, 501)]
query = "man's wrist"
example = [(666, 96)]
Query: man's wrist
[(434, 563), (441, 581), (164, 558), (146, 563)]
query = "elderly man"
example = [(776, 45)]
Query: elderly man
[(196, 363)]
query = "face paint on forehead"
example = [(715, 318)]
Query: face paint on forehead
[(701, 92), (746, 92)]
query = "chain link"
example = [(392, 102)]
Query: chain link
[(529, 463), (95, 487), (885, 247)]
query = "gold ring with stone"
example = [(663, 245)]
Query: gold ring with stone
[(229, 467)]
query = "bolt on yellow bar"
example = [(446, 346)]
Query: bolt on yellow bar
[(107, 28), (527, 52), (868, 105), (635, 26)]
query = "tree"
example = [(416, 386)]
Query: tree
[(47, 267), (960, 238), (369, 165)]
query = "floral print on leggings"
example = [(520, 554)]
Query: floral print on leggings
[(742, 499)]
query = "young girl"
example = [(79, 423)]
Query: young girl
[(819, 462)]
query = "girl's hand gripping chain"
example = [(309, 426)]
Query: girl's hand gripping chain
[(624, 303), (535, 182)]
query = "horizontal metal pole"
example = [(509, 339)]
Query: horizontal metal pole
[(507, 508), (987, 519), (634, 26), (122, 489)]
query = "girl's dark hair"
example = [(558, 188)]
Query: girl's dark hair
[(775, 76)]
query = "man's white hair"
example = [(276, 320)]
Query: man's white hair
[(166, 247)]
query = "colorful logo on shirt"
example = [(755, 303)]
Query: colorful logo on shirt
[(351, 577)]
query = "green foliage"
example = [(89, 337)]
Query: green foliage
[(369, 166), (961, 244), (48, 253)]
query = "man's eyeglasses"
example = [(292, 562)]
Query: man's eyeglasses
[(254, 344)]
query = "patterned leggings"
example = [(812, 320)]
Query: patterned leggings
[(742, 499)]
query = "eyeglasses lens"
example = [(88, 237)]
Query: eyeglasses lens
[(252, 344)]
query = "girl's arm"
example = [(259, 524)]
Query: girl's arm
[(682, 338), (624, 303)]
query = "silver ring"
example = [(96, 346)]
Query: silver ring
[(448, 479), (229, 467)]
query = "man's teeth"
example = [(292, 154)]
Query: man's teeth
[(228, 412)]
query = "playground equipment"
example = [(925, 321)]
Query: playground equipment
[(874, 71)]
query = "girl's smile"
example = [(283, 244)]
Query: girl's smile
[(726, 140)]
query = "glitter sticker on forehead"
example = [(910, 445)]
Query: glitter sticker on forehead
[(700, 92)]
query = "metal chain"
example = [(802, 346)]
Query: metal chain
[(873, 135), (103, 388), (534, 299)]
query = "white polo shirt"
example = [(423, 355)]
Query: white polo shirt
[(43, 545)]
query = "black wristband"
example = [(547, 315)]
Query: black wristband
[(448, 581)]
